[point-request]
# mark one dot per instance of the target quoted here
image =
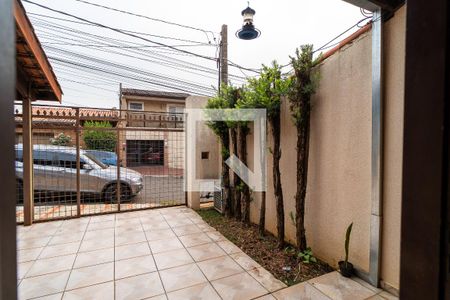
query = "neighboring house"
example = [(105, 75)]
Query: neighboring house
[(49, 122), (153, 110)]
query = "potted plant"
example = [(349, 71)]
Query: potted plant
[(345, 267)]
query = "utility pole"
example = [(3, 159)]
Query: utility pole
[(223, 56)]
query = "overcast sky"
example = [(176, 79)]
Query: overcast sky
[(285, 25)]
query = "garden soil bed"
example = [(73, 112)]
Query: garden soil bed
[(264, 250)]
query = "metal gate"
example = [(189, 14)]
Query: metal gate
[(92, 161)]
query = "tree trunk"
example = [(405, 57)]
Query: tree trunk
[(278, 191), (245, 192), (262, 214), (302, 176), (226, 174), (236, 199)]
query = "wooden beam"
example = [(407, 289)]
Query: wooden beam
[(27, 154), (8, 262), (24, 26), (425, 150)]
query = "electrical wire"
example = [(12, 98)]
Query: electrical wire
[(149, 18), (39, 16), (133, 35), (116, 65), (71, 34), (118, 30), (327, 44)]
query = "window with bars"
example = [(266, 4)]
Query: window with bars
[(135, 106)]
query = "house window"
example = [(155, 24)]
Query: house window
[(205, 155), (135, 106), (176, 110)]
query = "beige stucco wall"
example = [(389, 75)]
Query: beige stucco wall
[(394, 67), (205, 141), (339, 175)]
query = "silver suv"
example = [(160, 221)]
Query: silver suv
[(54, 169)]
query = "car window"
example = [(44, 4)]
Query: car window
[(95, 160), (44, 158)]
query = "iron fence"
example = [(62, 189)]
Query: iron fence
[(93, 161)]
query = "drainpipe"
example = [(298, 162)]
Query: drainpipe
[(377, 148), (373, 276)]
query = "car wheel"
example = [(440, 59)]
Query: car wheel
[(19, 191), (110, 193)]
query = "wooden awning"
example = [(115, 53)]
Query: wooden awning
[(35, 76)]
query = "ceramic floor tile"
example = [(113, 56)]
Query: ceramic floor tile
[(43, 285), (129, 223), (120, 231), (99, 234), (60, 250), (229, 247), (177, 221), (366, 284), (244, 261), (159, 297), (134, 266), (131, 238), (205, 227), (215, 236), (90, 275), (181, 277), (153, 220), (96, 257), (57, 296), (165, 245), (155, 225), (133, 250), (383, 296), (51, 265), (100, 225), (33, 234), (266, 279), (28, 254), (155, 235), (206, 251), (202, 291), (185, 230), (33, 243), (104, 218), (219, 267), (388, 296), (171, 259), (195, 239), (240, 286), (66, 238), (68, 228), (23, 268), (103, 291), (300, 291), (91, 245), (266, 297), (336, 286), (139, 287)]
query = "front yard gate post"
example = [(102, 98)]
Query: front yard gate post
[(77, 146), (27, 183), (118, 165)]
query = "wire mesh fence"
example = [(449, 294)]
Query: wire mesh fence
[(95, 161)]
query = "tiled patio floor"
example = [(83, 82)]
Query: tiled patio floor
[(166, 253)]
